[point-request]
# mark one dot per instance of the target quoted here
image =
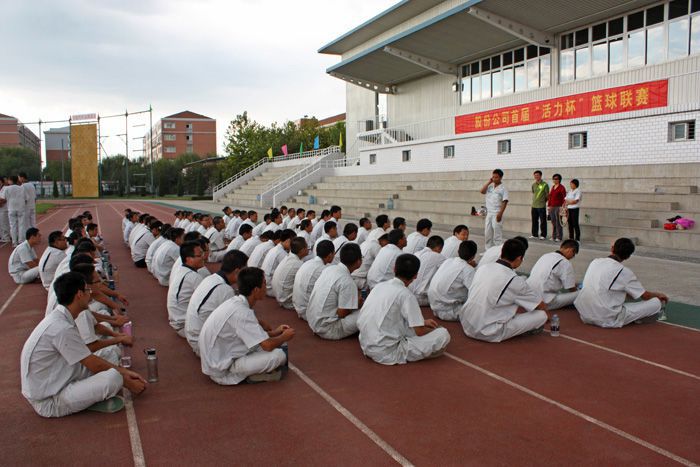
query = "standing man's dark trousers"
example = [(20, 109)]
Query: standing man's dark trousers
[(539, 222)]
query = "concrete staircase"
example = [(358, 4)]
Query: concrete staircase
[(247, 194), (617, 201)]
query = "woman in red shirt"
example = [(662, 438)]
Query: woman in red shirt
[(554, 206)]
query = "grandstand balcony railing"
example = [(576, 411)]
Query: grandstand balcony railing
[(406, 133)]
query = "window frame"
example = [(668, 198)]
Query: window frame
[(406, 155), (448, 152), (689, 133), (584, 140), (373, 159), (504, 146)]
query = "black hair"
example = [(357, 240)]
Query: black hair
[(557, 176), (249, 279), (499, 172), (363, 221), (266, 218), (286, 234), (156, 224), (537, 172), (459, 228), (349, 229), (335, 209), (623, 248), (424, 224), (350, 253), (54, 236), (192, 236), (31, 231), (187, 250), (324, 248), (325, 213), (297, 244), (80, 258), (575, 182), (67, 286), (310, 211), (267, 235), (467, 250), (570, 244), (91, 226), (74, 237), (304, 224), (328, 226), (226, 208), (85, 270), (395, 236), (217, 219), (245, 228), (435, 241), (84, 247), (23, 174), (381, 220), (398, 222), (407, 266), (383, 238), (251, 213), (175, 233), (512, 249), (233, 260), (522, 240)]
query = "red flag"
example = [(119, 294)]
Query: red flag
[(284, 150)]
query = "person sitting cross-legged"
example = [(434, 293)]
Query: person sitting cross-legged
[(382, 268), (308, 274), (430, 260), (23, 264), (553, 276), (183, 282), (449, 288), (235, 346), (52, 257), (59, 374), (392, 328), (285, 274)]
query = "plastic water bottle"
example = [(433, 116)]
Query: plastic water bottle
[(151, 365), (127, 328), (554, 326)]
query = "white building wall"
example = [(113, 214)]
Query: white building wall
[(359, 105)]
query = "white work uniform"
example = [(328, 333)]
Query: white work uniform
[(141, 245), (201, 229), (306, 236), (430, 261), (203, 271), (163, 261), (235, 244), (493, 230), (369, 249), (270, 263), (550, 274), (183, 283), (136, 233), (48, 263), (386, 327), (249, 222), (490, 256), (606, 285), (333, 290), (250, 245), (209, 294), (86, 322), (185, 224), (152, 248), (362, 234), (229, 344), (449, 288), (17, 267), (415, 242), (53, 380), (283, 280), (382, 268), (376, 233), (294, 223), (176, 223), (256, 258), (217, 247), (4, 219), (304, 282), (451, 247), (494, 297), (318, 230), (323, 237), (261, 227), (232, 227), (127, 231), (29, 206), (14, 195)]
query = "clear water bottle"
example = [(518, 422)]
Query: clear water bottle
[(554, 326), (151, 365), (127, 329)]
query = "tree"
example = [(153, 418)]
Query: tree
[(180, 186), (14, 160), (55, 189)]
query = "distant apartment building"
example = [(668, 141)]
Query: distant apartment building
[(14, 134), (323, 123), (57, 141), (184, 132)]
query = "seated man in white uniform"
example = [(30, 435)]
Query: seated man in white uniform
[(459, 234), (294, 223), (330, 232), (210, 293), (23, 264), (233, 345), (143, 241), (308, 274), (493, 254), (268, 240), (349, 235), (304, 231), (430, 260), (370, 249), (606, 287), (285, 274), (318, 228), (553, 276), (334, 302), (153, 247), (183, 283), (233, 225), (382, 268), (392, 328), (501, 305), (276, 256), (363, 230), (264, 225), (60, 375), (215, 234), (449, 289), (164, 258), (383, 227), (245, 232), (418, 239), (133, 220), (53, 255)]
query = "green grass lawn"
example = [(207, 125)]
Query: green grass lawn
[(41, 208)]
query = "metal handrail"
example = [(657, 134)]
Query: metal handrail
[(318, 152)]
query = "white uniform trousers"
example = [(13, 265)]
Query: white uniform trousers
[(88, 389), (449, 313), (111, 353), (562, 300), (340, 329), (4, 226), (217, 256), (631, 312), (256, 362), (28, 220), (493, 231), (16, 223), (412, 349), (26, 277), (519, 324), (423, 300)]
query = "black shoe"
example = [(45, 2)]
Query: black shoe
[(534, 332)]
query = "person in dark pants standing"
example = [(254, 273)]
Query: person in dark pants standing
[(555, 203), (540, 193), (573, 203)]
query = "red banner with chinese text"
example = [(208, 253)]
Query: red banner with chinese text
[(603, 102)]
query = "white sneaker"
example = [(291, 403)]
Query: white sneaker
[(543, 238), (531, 236)]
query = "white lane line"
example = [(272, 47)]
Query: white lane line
[(9, 300), (679, 326), (352, 419), (134, 435), (631, 357), (576, 413)]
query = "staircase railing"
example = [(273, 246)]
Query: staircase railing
[(319, 152)]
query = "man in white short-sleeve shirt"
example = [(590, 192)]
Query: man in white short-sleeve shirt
[(52, 257), (235, 346), (418, 239), (449, 288), (165, 256), (308, 274), (553, 277), (29, 217), (459, 234), (606, 287), (392, 328), (493, 254), (370, 249), (183, 282), (13, 195), (215, 234), (244, 233), (383, 227), (284, 276), (430, 260), (496, 202), (501, 305), (382, 268), (143, 242), (275, 257), (23, 265), (334, 302)]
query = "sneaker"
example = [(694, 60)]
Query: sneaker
[(111, 405), (531, 236), (543, 238), (275, 375)]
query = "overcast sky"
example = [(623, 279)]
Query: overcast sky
[(215, 57)]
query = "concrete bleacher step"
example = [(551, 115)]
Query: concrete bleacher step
[(676, 189), (610, 239), (668, 206), (644, 223)]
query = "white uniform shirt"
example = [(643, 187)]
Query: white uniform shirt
[(375, 234), (232, 227), (318, 230), (250, 245), (306, 236), (490, 256), (324, 236), (382, 268), (261, 227), (141, 245), (232, 331), (48, 263), (152, 248), (388, 317), (369, 249), (605, 288), (257, 257), (415, 242), (29, 195), (294, 223), (184, 224), (236, 243), (494, 297), (451, 247), (209, 294), (21, 255), (551, 273), (136, 233), (163, 261), (273, 258), (203, 271), (127, 231), (249, 222), (183, 283), (304, 282), (176, 223), (574, 195), (283, 279), (14, 195), (450, 284), (216, 239), (85, 322), (201, 229), (3, 208), (430, 261), (51, 356), (495, 195), (334, 289)]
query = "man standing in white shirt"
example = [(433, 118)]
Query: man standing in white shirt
[(23, 265), (234, 346), (554, 272), (4, 218), (308, 274), (430, 260), (496, 203), (30, 202), (459, 234), (285, 274), (501, 304), (418, 239), (13, 194), (183, 282), (52, 257), (334, 302), (449, 288), (382, 268), (392, 328), (606, 287)]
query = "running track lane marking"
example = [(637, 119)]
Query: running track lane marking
[(679, 326), (576, 413), (352, 419)]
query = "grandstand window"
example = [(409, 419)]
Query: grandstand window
[(406, 155), (448, 152), (681, 131), (372, 159), (504, 146), (578, 140)]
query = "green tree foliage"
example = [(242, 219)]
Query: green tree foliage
[(53, 170), (54, 192), (14, 160)]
